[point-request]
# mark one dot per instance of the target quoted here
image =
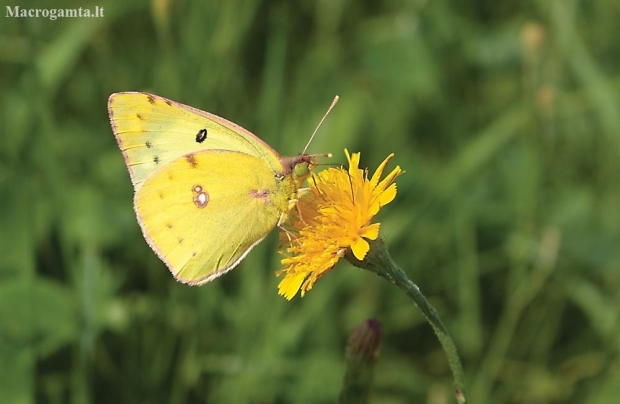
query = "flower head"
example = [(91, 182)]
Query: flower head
[(333, 215)]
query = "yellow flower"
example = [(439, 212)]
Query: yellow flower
[(334, 215)]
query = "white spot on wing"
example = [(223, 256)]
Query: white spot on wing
[(201, 198)]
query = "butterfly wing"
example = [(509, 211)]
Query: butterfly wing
[(203, 212), (153, 131)]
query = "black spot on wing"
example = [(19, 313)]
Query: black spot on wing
[(150, 98), (201, 136)]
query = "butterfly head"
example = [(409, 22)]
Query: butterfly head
[(300, 167)]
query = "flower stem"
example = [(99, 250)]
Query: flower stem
[(379, 261)]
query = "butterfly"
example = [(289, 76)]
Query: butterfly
[(206, 190)]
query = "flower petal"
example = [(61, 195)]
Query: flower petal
[(359, 247), (289, 286), (371, 232), (388, 195), (379, 171)]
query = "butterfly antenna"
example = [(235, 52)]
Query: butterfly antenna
[(336, 98)]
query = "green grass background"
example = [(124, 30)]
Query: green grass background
[(505, 115)]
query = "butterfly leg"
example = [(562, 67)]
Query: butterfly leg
[(295, 201), (286, 231)]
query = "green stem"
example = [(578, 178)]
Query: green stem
[(379, 261)]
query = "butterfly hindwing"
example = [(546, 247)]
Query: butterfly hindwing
[(204, 211)]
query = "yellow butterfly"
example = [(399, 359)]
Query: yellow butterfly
[(206, 190)]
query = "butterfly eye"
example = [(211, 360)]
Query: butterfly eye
[(201, 136), (302, 169)]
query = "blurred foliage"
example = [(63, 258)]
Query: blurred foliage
[(505, 115)]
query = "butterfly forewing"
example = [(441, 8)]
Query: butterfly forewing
[(153, 131)]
